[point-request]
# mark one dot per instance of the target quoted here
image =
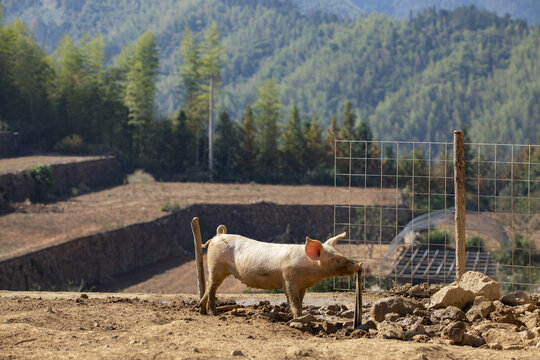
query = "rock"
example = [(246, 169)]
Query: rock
[(480, 285), (502, 337), (419, 312), (422, 357), (526, 335), (520, 309), (421, 338), (472, 340), (299, 326), (451, 295), (454, 331), (495, 346), (480, 309), (278, 316), (348, 314), (517, 298), (348, 324), (450, 313), (329, 327), (358, 333), (306, 319), (538, 345), (503, 315), (531, 320), (434, 330), (391, 316), (390, 331), (237, 353), (399, 305), (334, 307), (367, 325), (536, 331)]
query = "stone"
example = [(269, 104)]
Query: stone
[(299, 326), (295, 351), (237, 353), (359, 333), (536, 331), (520, 309), (391, 316), (454, 331), (329, 327), (421, 338), (480, 309), (480, 285), (519, 297), (502, 337), (390, 331), (495, 346), (348, 314), (503, 315), (367, 325), (398, 305), (334, 307), (526, 335), (531, 320), (538, 345), (472, 340), (451, 295), (449, 313), (306, 319)]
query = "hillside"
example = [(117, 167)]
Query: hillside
[(411, 79)]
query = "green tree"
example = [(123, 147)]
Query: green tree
[(314, 155), (141, 88), (292, 145), (228, 147), (267, 118), (248, 152)]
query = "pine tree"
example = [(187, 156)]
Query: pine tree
[(332, 135), (315, 155), (248, 152), (292, 145), (267, 119), (141, 88), (227, 147)]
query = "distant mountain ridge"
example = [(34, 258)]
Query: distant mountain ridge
[(415, 78)]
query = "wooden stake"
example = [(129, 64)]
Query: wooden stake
[(459, 200), (358, 301), (197, 241)]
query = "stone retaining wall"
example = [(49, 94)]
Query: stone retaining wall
[(102, 172), (7, 144), (96, 258)]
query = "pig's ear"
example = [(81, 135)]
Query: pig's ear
[(334, 240), (313, 249)]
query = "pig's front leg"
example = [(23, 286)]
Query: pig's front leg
[(293, 295)]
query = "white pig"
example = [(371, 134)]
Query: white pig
[(293, 268)]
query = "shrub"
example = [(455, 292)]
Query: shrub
[(70, 144), (515, 270), (474, 241), (437, 237), (43, 181), (140, 177)]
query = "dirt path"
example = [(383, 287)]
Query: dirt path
[(141, 326)]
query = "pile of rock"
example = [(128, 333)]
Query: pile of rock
[(470, 312)]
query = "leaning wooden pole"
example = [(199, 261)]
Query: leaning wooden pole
[(358, 301), (459, 199), (197, 241)]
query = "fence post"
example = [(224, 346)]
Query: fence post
[(197, 241), (358, 300), (459, 200)]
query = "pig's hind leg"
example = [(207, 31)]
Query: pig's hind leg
[(294, 296), (216, 276)]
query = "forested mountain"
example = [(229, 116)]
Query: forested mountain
[(417, 78)]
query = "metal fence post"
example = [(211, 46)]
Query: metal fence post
[(459, 199)]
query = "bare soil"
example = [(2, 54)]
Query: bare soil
[(143, 326), (33, 226)]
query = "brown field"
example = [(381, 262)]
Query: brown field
[(33, 226)]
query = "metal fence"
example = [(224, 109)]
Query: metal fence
[(395, 200)]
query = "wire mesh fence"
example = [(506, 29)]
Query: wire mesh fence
[(395, 200)]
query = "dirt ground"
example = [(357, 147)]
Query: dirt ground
[(142, 326)]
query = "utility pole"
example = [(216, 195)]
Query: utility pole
[(210, 130)]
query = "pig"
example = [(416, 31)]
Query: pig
[(293, 268)]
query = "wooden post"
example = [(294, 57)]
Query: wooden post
[(197, 241), (358, 301), (211, 130), (459, 200)]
